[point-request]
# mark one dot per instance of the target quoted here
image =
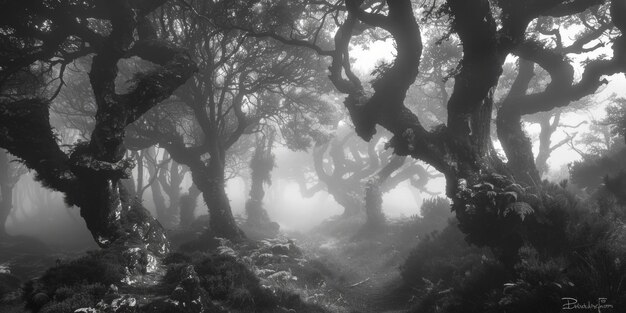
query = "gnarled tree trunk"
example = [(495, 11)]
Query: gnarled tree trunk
[(91, 175)]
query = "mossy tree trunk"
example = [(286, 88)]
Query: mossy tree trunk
[(211, 182), (91, 175), (261, 166), (209, 177)]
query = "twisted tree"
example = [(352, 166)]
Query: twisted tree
[(243, 83), (50, 35), (489, 31), (344, 164)]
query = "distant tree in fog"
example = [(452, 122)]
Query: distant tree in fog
[(243, 83), (354, 172), (604, 170), (262, 163)]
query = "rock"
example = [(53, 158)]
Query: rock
[(288, 249), (40, 299), (280, 249)]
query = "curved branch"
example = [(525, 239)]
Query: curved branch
[(25, 131)]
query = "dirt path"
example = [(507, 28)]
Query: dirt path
[(364, 276), (377, 293)]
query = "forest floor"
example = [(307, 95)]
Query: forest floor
[(27, 258), (363, 274), (333, 271)]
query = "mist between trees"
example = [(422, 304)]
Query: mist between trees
[(194, 141)]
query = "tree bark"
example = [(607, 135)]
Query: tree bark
[(209, 178), (514, 140), (261, 165), (210, 181)]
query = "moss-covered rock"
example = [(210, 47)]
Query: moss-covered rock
[(187, 296), (75, 284), (69, 299)]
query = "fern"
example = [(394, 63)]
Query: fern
[(522, 209)]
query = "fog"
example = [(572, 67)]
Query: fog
[(43, 214), (444, 156)]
